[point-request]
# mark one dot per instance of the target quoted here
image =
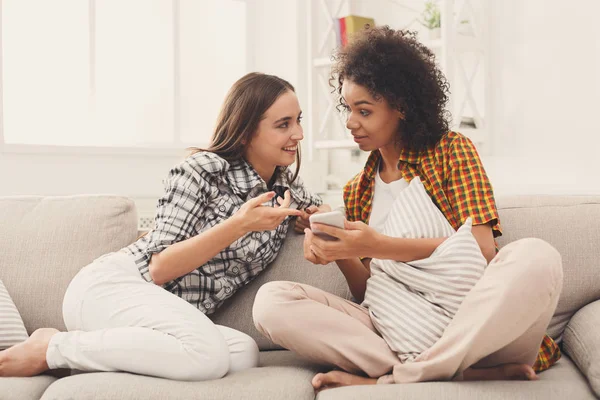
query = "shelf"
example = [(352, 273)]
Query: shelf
[(336, 144)]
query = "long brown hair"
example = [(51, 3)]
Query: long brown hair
[(244, 107)]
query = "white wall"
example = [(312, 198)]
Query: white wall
[(276, 38), (66, 174), (546, 88)]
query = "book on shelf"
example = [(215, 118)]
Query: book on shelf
[(347, 26)]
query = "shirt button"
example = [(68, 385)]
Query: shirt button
[(207, 305), (256, 235), (227, 289), (222, 208), (236, 270), (249, 258)]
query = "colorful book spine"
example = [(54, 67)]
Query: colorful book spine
[(343, 34), (347, 26)]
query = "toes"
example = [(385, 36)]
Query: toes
[(330, 378), (326, 380), (530, 374), (335, 379), (520, 372), (316, 381)]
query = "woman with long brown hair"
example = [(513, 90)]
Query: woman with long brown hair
[(220, 222)]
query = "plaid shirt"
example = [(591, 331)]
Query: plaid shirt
[(201, 192), (454, 177)]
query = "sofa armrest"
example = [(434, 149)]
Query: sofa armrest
[(581, 341)]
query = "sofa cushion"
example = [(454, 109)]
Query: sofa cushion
[(570, 224), (44, 241), (12, 330), (24, 388), (582, 342), (560, 382), (280, 376)]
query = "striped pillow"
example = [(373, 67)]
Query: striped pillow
[(412, 303), (12, 330)]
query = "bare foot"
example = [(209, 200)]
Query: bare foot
[(335, 379), (27, 358), (508, 372)]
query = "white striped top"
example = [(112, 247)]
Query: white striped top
[(412, 303)]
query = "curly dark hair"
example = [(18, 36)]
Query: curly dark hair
[(394, 65)]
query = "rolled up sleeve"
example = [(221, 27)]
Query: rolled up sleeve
[(179, 210), (469, 190)]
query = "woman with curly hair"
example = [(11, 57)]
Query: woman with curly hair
[(437, 299)]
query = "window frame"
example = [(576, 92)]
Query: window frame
[(174, 148)]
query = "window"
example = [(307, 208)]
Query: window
[(117, 73)]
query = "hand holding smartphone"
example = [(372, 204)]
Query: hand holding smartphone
[(332, 218)]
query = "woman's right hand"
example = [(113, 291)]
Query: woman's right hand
[(253, 216)]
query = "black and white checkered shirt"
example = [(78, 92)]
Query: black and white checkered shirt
[(201, 192)]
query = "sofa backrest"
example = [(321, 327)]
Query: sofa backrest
[(569, 223), (572, 225), (44, 241), (290, 265)]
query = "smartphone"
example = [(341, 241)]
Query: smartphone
[(332, 218)]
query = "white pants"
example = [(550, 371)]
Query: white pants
[(117, 321)]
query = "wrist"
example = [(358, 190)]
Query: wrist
[(344, 265), (378, 246), (237, 224)]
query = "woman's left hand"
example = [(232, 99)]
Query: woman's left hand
[(356, 240)]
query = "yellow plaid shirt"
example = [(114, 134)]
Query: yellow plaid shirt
[(454, 177)]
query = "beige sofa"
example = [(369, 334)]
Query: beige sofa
[(44, 241)]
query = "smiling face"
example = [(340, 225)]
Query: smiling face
[(372, 122), (278, 136)]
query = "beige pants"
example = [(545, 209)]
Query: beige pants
[(502, 320)]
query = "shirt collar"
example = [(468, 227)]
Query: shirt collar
[(408, 156), (243, 178)]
